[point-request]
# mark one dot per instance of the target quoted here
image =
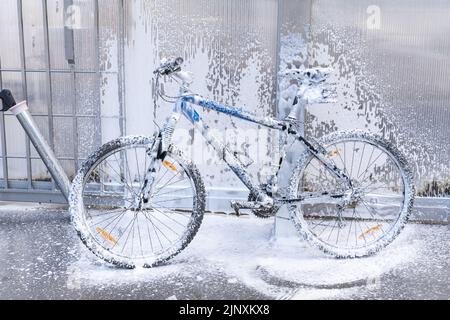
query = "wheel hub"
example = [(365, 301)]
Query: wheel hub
[(352, 197), (138, 203)]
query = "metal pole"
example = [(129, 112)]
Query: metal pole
[(280, 8), (121, 70), (49, 76), (24, 86), (98, 110), (3, 140), (69, 45), (45, 152)]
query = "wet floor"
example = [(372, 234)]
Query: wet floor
[(42, 258)]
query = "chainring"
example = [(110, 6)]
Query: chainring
[(263, 213)]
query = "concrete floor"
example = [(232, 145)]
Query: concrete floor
[(42, 258)]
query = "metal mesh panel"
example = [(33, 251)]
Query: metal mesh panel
[(56, 54)]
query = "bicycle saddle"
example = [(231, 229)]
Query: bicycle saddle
[(313, 87), (7, 100), (309, 76)]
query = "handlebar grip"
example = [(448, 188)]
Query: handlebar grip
[(170, 67), (7, 100), (179, 61)]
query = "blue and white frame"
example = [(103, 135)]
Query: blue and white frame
[(186, 106)]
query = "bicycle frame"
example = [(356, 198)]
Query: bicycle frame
[(186, 106)]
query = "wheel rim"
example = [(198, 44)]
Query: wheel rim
[(375, 203), (149, 232)]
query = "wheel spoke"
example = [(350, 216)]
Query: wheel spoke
[(375, 175), (123, 226)]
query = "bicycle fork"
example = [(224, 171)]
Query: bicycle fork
[(143, 195), (157, 152)]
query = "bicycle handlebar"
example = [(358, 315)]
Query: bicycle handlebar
[(169, 67), (7, 100)]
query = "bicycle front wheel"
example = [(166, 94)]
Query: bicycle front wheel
[(108, 212), (359, 218)]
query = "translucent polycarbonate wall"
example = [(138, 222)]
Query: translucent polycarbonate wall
[(231, 49), (392, 69), (86, 68)]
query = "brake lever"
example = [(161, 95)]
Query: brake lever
[(167, 68)]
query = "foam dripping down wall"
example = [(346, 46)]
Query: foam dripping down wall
[(390, 79), (231, 49)]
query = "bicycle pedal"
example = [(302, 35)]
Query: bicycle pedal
[(253, 205)]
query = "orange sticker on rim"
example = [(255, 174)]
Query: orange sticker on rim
[(369, 231), (106, 235), (169, 165), (333, 153)]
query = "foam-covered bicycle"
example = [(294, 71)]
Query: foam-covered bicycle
[(137, 201)]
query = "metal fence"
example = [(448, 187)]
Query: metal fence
[(62, 56)]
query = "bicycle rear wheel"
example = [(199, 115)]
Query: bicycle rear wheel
[(377, 204), (107, 209)]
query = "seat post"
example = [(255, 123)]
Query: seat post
[(297, 115)]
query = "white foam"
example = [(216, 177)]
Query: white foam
[(240, 248)]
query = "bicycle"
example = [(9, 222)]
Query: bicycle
[(137, 201)]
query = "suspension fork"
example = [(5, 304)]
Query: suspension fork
[(154, 153), (157, 153)]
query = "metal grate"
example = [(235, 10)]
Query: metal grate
[(65, 58)]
